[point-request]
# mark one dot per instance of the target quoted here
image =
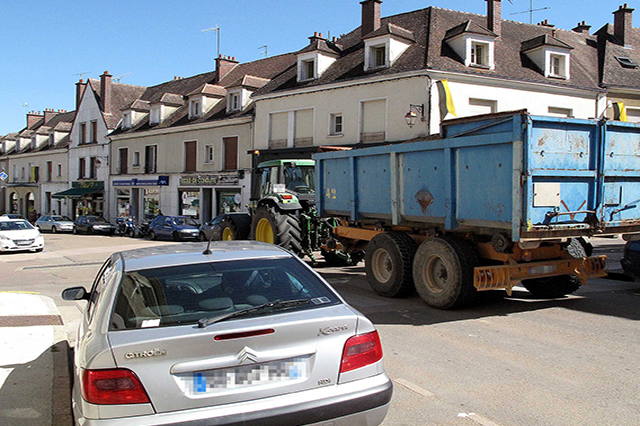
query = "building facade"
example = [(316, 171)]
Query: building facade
[(184, 146)]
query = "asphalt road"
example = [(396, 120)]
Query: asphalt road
[(507, 361)]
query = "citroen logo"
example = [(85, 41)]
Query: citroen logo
[(247, 354)]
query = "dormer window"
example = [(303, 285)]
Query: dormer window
[(308, 70), (154, 116), (234, 102), (557, 66), (479, 54), (195, 109), (126, 120), (378, 56)]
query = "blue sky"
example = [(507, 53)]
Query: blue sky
[(45, 44)]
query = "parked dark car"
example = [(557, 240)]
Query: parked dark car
[(178, 228), (227, 227), (631, 260), (92, 225)]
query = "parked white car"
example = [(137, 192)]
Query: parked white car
[(19, 235)]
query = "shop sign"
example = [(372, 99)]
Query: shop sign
[(3, 175), (159, 181), (89, 184), (210, 180)]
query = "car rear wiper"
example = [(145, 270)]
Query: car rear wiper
[(275, 305)]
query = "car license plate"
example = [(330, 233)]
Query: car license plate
[(23, 242), (243, 376)]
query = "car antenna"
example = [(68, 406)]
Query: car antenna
[(207, 251)]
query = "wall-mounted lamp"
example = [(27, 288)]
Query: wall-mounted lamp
[(415, 111)]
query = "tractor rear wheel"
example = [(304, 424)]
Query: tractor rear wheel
[(275, 227)]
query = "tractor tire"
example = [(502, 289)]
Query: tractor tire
[(275, 227), (554, 287), (388, 261), (229, 230), (333, 258), (443, 272)]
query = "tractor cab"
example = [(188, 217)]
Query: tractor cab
[(292, 177)]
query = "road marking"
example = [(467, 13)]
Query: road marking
[(478, 419), (64, 265), (415, 388)]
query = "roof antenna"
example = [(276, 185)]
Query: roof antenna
[(530, 11), (265, 50), (207, 251), (217, 30)]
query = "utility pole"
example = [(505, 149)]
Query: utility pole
[(217, 31), (530, 11)]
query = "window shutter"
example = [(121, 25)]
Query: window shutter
[(278, 130), (303, 128), (373, 121)]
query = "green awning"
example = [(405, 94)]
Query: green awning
[(75, 192)]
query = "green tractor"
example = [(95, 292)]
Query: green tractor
[(283, 212)]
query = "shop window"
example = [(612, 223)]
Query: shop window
[(228, 202), (189, 203), (151, 203), (123, 202)]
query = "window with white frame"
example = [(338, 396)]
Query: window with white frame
[(560, 112), (136, 159), (335, 127), (235, 103), (195, 108), (557, 66), (633, 114), (208, 154), (308, 69), (154, 116), (479, 54), (59, 170), (52, 139), (378, 56), (126, 120)]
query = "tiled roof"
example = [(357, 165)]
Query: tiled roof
[(320, 44), (431, 51), (209, 89), (468, 27), (612, 72), (391, 29), (262, 69), (250, 82), (121, 96), (544, 40)]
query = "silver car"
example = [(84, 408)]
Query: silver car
[(244, 333), (54, 224)]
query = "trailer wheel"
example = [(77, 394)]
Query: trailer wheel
[(274, 227), (388, 261), (554, 287), (443, 272)]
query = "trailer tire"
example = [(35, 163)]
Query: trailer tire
[(443, 272), (388, 261), (554, 287), (283, 229)]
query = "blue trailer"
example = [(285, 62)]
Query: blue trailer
[(498, 200)]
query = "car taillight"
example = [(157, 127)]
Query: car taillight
[(287, 197), (116, 386), (360, 351)]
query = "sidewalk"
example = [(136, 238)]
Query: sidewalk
[(34, 376)]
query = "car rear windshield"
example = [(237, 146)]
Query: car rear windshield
[(60, 218), (179, 295), (15, 225)]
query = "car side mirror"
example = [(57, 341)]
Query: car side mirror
[(75, 293)]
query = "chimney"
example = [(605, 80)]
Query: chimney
[(622, 19), (49, 113), (33, 117), (80, 86), (582, 28), (105, 92), (494, 16), (224, 64), (370, 16), (545, 23)]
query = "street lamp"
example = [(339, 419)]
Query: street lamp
[(412, 116)]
